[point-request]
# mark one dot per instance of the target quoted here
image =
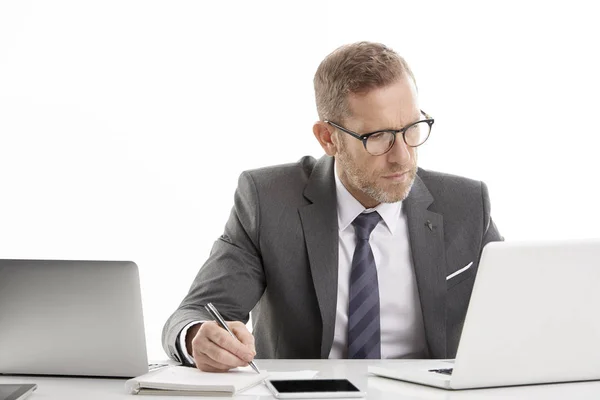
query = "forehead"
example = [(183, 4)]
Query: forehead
[(391, 106)]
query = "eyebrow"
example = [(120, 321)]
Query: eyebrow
[(396, 129)]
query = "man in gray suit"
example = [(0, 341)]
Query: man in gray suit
[(359, 254)]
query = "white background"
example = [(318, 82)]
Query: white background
[(125, 124)]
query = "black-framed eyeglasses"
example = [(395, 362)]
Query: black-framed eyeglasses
[(380, 142)]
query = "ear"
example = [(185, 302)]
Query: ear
[(324, 134)]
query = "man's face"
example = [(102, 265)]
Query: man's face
[(386, 178)]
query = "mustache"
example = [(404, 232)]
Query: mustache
[(402, 168)]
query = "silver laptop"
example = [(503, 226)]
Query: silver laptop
[(534, 317), (71, 318)]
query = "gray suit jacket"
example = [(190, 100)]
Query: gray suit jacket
[(278, 257)]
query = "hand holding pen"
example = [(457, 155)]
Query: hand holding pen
[(219, 320), (219, 346)]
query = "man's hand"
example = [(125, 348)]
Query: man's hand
[(215, 350)]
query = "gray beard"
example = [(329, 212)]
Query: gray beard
[(379, 194)]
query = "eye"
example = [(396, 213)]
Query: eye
[(379, 136)]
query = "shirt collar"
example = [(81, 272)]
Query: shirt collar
[(349, 208)]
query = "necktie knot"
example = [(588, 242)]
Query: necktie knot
[(365, 223)]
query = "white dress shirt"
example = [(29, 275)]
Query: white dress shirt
[(402, 331), (182, 343)]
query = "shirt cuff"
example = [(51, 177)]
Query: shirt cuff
[(182, 344)]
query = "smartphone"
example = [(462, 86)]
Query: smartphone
[(313, 388)]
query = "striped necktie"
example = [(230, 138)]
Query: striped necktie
[(364, 331)]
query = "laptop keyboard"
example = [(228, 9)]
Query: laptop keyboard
[(445, 371)]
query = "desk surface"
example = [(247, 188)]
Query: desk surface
[(51, 388)]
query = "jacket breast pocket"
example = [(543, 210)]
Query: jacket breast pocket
[(460, 275)]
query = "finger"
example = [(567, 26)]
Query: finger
[(227, 349), (241, 332), (223, 339), (205, 363), (204, 345), (219, 357), (209, 368)]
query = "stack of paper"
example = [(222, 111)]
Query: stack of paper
[(178, 380)]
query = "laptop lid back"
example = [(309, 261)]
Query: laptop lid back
[(71, 318), (533, 316)]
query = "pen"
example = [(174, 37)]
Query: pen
[(219, 320)]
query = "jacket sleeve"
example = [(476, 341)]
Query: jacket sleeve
[(233, 276), (490, 231)]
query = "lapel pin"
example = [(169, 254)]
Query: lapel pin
[(429, 225)]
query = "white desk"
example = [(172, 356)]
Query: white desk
[(377, 388)]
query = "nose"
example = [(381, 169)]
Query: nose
[(400, 153)]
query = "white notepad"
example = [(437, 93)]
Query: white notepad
[(178, 380)]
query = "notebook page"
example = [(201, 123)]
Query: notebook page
[(179, 378)]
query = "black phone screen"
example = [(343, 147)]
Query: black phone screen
[(314, 385)]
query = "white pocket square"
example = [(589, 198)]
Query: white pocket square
[(460, 271)]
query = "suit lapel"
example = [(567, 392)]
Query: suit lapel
[(426, 232), (320, 227)]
